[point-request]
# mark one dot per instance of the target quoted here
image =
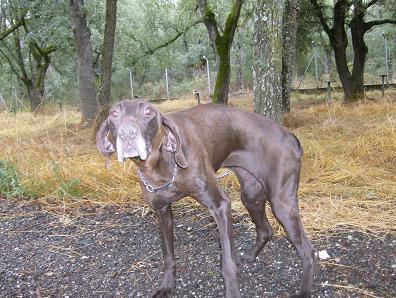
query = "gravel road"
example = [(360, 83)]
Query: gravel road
[(115, 252)]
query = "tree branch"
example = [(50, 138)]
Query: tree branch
[(371, 24), (209, 20), (19, 58), (319, 14), (7, 32), (10, 63), (232, 21), (371, 3), (151, 51)]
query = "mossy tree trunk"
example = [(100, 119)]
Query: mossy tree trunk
[(85, 70), (104, 94), (267, 58), (222, 45)]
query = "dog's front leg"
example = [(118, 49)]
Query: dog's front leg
[(165, 218), (219, 206)]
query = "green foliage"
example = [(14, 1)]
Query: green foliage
[(9, 184), (66, 188), (145, 25)]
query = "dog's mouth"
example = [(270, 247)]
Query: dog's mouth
[(133, 149)]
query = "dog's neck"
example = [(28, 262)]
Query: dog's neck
[(159, 164)]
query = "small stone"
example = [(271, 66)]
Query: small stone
[(337, 260), (325, 283), (323, 255)]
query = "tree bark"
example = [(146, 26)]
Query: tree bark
[(222, 46), (267, 58), (104, 95), (86, 74), (238, 62), (339, 42), (360, 51), (289, 40), (392, 68)]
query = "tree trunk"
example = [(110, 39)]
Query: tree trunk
[(289, 39), (222, 85), (339, 42), (238, 62), (35, 83), (267, 58), (360, 51), (392, 69), (222, 45), (342, 66), (86, 75), (35, 97), (328, 59), (104, 95)]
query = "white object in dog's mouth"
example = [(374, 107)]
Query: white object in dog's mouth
[(139, 149)]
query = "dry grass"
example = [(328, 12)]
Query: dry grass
[(348, 177)]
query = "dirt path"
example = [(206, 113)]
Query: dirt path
[(114, 252)]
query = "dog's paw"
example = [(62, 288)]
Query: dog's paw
[(163, 293)]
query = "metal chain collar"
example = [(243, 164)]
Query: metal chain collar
[(151, 188)]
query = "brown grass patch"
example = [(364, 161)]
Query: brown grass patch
[(348, 177)]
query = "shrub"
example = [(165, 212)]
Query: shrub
[(9, 185)]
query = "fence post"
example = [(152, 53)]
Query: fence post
[(386, 57), (130, 81), (328, 97), (383, 76), (196, 94), (316, 66), (208, 74), (167, 83)]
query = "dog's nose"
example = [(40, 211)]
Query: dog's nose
[(122, 134), (133, 131), (128, 132)]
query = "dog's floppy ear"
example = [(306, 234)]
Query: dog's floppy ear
[(173, 142), (105, 141)]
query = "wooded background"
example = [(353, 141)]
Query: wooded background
[(56, 51)]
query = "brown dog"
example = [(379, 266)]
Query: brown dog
[(178, 155)]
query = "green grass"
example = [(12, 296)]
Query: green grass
[(9, 182)]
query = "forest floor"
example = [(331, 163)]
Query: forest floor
[(86, 232), (113, 251)]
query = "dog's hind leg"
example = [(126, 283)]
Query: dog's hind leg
[(285, 208), (254, 199)]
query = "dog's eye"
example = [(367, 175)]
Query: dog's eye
[(148, 111), (114, 114)]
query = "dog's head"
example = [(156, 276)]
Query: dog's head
[(131, 128)]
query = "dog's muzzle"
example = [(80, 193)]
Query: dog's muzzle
[(130, 143)]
